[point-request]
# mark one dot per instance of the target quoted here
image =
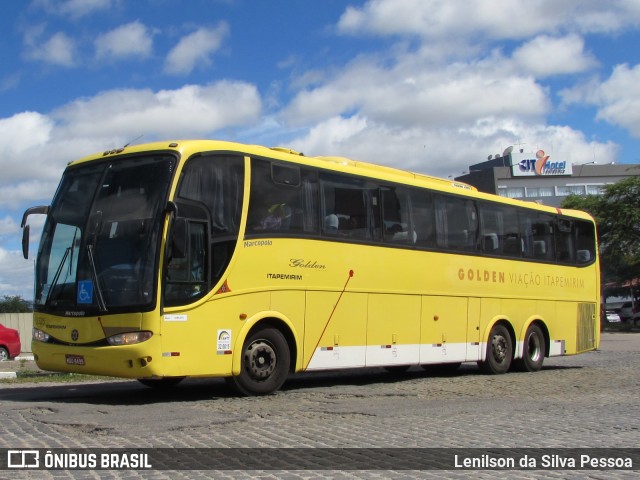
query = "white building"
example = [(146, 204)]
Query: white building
[(541, 178)]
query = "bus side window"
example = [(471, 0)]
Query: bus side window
[(283, 199), (585, 242), (396, 220), (499, 233), (565, 247), (543, 237), (525, 226), (354, 202), (513, 244), (491, 228), (456, 223), (422, 213)]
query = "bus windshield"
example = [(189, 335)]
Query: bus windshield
[(99, 248)]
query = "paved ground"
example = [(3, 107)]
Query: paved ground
[(585, 401)]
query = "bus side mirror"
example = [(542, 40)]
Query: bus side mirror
[(42, 209), (179, 241), (25, 242)]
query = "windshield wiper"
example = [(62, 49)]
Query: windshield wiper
[(71, 248), (94, 274), (56, 277)]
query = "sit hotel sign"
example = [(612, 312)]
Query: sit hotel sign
[(538, 164)]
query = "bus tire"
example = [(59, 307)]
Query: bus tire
[(160, 383), (533, 351), (265, 363), (499, 351)]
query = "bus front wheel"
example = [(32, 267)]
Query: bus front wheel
[(499, 351), (265, 363)]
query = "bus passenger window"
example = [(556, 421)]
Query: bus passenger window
[(396, 221), (283, 199), (499, 230), (564, 237), (456, 223), (422, 214), (353, 202), (543, 231), (585, 242)]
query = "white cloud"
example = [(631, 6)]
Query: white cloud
[(617, 98), (34, 147), (59, 49), (75, 9), (188, 111), (444, 152), (131, 40), (545, 56), (7, 225), (22, 139), (78, 8), (487, 19), (414, 91), (16, 275), (14, 196), (23, 131), (194, 49), (418, 109)]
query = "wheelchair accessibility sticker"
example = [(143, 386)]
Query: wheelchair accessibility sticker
[(85, 291)]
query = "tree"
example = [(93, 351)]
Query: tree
[(617, 215), (14, 304)]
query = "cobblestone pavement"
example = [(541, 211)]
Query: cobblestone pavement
[(584, 401)]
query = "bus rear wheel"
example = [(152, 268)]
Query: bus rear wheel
[(499, 351), (533, 351), (265, 363)]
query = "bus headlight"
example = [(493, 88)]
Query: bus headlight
[(40, 336), (129, 338)]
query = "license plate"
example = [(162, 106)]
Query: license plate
[(75, 360)]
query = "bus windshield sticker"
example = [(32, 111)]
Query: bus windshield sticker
[(85, 291)]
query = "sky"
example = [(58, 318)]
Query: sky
[(431, 86)]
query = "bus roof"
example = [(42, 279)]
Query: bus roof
[(189, 147)]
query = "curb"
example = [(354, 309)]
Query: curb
[(11, 375)]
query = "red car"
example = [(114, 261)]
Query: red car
[(9, 343)]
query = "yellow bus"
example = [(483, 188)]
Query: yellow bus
[(216, 259)]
